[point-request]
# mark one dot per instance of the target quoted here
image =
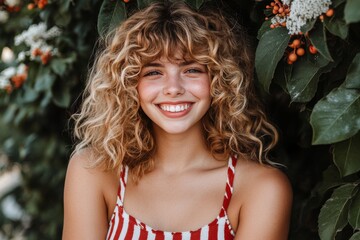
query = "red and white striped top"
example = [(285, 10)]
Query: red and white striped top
[(123, 226)]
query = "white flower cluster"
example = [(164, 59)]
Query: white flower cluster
[(9, 72), (36, 36), (4, 16), (12, 3), (302, 11)]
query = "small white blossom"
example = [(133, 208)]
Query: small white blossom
[(12, 3), (302, 11), (286, 2), (5, 76), (36, 36), (4, 16), (22, 55), (278, 19), (9, 72), (4, 83)]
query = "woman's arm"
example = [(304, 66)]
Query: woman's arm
[(85, 212), (266, 211)]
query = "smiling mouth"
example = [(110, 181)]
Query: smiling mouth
[(174, 108)]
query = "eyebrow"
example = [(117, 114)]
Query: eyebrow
[(156, 64)]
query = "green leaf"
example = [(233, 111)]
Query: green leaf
[(264, 28), (269, 51), (333, 214), (58, 65), (144, 3), (111, 14), (195, 3), (346, 155), (355, 236), (336, 116), (62, 18), (353, 75), (336, 3), (61, 94), (44, 80), (302, 84), (351, 11), (354, 212), (318, 38), (330, 179), (337, 26), (308, 26)]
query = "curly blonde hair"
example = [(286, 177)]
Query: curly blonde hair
[(110, 120)]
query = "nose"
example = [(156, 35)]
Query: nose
[(173, 86)]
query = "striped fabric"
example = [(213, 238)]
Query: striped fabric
[(125, 227)]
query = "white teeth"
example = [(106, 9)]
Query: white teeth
[(174, 108)]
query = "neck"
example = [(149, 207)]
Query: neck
[(179, 152)]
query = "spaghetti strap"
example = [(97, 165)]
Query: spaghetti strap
[(229, 184), (123, 180)]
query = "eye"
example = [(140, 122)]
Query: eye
[(151, 73), (194, 70)]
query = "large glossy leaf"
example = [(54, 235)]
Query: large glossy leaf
[(355, 236), (351, 11), (335, 3), (318, 38), (264, 28), (330, 180), (337, 26), (144, 3), (111, 14), (353, 75), (302, 84), (346, 155), (195, 3), (336, 117), (354, 212), (269, 51), (334, 213)]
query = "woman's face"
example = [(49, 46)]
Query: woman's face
[(174, 95)]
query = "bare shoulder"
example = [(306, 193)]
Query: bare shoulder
[(265, 198), (259, 179), (85, 205)]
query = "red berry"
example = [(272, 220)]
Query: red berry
[(292, 57), (330, 12), (300, 52), (312, 49)]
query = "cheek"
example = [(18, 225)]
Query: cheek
[(201, 89), (146, 91)]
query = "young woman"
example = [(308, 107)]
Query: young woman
[(173, 142)]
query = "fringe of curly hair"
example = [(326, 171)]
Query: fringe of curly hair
[(111, 122)]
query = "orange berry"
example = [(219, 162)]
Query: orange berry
[(312, 49), (267, 6), (296, 43), (272, 4), (36, 52), (300, 52), (31, 6), (45, 58), (281, 10), (289, 62), (283, 24), (126, 1), (292, 57), (330, 12), (274, 11), (276, 8), (272, 26)]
